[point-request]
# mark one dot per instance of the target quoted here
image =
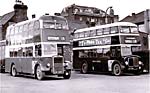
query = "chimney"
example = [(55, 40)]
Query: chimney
[(46, 13), (20, 11), (133, 14), (33, 16), (57, 14)]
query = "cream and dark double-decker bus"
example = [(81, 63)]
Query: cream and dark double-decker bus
[(39, 47), (107, 48)]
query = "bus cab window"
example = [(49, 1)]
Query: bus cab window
[(125, 51), (38, 51)]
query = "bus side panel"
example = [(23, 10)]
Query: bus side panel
[(10, 61), (43, 63), (26, 65)]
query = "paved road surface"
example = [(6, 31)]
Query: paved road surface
[(78, 83)]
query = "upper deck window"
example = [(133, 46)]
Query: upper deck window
[(133, 29), (21, 28), (55, 24), (93, 32), (114, 30), (25, 28), (16, 29), (128, 29), (36, 25), (12, 31), (31, 24), (125, 29), (81, 34), (87, 33), (99, 31), (106, 30)]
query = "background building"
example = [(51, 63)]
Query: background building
[(84, 16), (19, 14)]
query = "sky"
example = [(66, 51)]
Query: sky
[(122, 8)]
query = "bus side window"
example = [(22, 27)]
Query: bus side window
[(99, 52), (106, 52), (29, 51)]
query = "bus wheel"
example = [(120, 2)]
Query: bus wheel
[(67, 74), (13, 70), (117, 69), (38, 73), (84, 68)]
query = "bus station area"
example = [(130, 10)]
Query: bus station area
[(79, 50), (78, 83)]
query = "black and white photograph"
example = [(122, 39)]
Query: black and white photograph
[(74, 46)]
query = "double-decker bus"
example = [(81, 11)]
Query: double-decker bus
[(39, 47), (2, 55), (107, 48)]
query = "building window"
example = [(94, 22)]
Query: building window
[(81, 10), (76, 10)]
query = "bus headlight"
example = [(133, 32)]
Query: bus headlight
[(126, 62), (140, 63), (66, 63), (48, 64)]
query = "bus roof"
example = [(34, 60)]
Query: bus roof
[(107, 25), (44, 17)]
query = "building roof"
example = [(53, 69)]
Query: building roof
[(85, 10), (5, 18), (135, 18), (106, 26), (87, 7)]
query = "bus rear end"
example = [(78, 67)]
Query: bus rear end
[(2, 56)]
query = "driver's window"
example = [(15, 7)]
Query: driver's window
[(60, 50), (38, 51)]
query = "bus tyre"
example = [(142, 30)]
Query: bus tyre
[(67, 74), (84, 68), (38, 73), (117, 69), (13, 71)]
